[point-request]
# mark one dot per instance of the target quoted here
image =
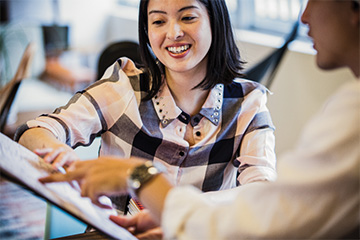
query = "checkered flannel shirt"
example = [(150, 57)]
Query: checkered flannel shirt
[(233, 132)]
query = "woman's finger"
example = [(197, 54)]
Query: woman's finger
[(52, 155), (42, 151), (64, 158)]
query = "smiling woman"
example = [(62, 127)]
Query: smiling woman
[(187, 109)]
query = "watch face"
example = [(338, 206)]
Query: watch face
[(135, 184), (141, 174)]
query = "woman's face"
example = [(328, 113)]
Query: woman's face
[(180, 34)]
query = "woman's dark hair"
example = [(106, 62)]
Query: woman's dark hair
[(224, 63)]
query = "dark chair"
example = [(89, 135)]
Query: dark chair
[(265, 70), (115, 50), (5, 110), (8, 92), (108, 56)]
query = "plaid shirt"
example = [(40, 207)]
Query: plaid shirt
[(233, 132)]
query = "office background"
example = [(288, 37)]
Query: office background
[(299, 87)]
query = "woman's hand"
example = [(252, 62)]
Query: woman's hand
[(46, 145), (103, 176), (141, 225), (60, 155)]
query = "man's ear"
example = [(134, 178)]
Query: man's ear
[(356, 12)]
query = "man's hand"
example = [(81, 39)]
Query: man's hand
[(104, 176), (140, 225)]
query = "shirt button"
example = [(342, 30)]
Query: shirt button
[(181, 153)]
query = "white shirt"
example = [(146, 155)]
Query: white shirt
[(317, 192)]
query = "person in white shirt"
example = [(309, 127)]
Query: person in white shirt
[(317, 193)]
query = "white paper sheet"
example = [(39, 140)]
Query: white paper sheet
[(26, 167)]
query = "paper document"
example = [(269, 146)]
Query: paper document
[(24, 166), (134, 206)]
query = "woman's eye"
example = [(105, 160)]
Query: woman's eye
[(189, 18), (158, 22)]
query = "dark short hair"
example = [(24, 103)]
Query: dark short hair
[(224, 62), (356, 4)]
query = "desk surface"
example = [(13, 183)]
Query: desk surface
[(19, 220), (88, 236)]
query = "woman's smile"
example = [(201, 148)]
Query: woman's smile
[(178, 51), (180, 34)]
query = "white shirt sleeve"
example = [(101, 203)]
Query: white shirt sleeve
[(257, 157), (317, 193)]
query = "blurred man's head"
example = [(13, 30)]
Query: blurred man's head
[(334, 27)]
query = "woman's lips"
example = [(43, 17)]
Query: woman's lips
[(178, 51)]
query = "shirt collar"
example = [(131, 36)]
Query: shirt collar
[(167, 110), (213, 104)]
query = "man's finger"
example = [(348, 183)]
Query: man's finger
[(59, 177), (122, 221), (98, 203), (155, 233), (81, 165)]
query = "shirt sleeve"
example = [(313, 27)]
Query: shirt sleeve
[(93, 110), (73, 123), (257, 158), (316, 194)]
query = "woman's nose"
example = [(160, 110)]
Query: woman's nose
[(174, 32)]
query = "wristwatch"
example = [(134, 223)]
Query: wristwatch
[(139, 176)]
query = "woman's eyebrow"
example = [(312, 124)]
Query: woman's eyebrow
[(186, 8), (180, 10), (156, 11)]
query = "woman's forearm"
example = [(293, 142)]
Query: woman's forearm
[(38, 138), (46, 145)]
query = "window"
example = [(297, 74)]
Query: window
[(275, 17), (129, 3), (268, 16)]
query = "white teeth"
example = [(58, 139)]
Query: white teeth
[(178, 49)]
